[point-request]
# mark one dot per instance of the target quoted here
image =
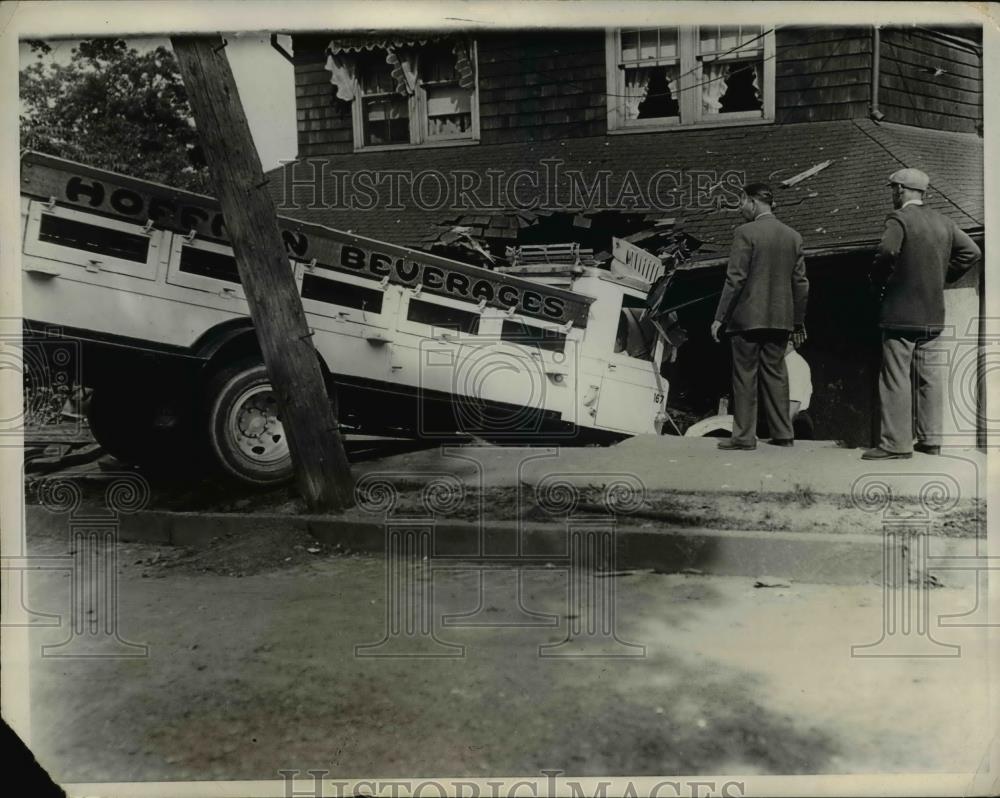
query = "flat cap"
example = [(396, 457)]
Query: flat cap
[(910, 178)]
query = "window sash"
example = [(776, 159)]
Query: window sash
[(723, 43), (420, 112), (691, 60), (436, 108)]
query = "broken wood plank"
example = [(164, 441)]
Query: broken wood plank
[(806, 174)]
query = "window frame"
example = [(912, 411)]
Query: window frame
[(690, 111), (417, 108)]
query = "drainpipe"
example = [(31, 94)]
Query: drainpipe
[(873, 112), (284, 53)]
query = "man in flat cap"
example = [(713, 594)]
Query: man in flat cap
[(762, 303), (920, 251)]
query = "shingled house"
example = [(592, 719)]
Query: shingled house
[(514, 137)]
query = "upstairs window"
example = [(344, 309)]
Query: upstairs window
[(650, 65), (407, 93), (663, 77), (732, 70), (385, 115), (448, 105)]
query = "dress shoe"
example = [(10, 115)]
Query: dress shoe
[(730, 445), (781, 442), (926, 448), (879, 453)]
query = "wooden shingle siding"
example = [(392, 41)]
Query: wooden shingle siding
[(541, 85), (910, 92), (822, 74), (324, 123)]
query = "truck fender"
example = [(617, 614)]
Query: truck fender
[(234, 339), (213, 340), (707, 426)]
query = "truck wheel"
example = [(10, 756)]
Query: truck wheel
[(245, 432), (143, 429), (118, 424)]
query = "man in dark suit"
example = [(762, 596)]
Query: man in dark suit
[(763, 301), (920, 250)]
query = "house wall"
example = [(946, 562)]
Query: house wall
[(822, 73), (912, 94), (539, 85), (323, 122)]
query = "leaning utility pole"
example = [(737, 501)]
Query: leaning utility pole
[(321, 465)]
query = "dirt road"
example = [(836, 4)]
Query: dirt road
[(252, 669)]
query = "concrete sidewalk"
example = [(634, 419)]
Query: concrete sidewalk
[(696, 465), (812, 513)]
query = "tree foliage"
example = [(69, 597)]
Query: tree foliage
[(113, 107)]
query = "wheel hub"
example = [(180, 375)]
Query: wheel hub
[(255, 426)]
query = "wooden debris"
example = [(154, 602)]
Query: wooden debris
[(807, 173), (571, 254)]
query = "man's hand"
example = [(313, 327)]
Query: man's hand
[(716, 326), (799, 336)]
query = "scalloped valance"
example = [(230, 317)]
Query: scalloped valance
[(400, 55)]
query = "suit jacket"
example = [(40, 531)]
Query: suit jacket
[(920, 251), (766, 285)]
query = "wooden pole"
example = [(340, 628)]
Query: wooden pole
[(321, 466)]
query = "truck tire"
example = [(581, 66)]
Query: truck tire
[(119, 424), (130, 426), (244, 429)]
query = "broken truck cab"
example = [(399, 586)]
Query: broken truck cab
[(140, 280)]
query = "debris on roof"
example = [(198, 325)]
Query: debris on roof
[(569, 254), (807, 173)]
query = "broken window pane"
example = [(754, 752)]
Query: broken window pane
[(449, 106), (742, 89), (731, 86), (649, 92), (449, 111)]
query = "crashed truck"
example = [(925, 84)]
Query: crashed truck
[(141, 281)]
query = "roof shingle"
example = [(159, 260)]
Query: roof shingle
[(842, 204)]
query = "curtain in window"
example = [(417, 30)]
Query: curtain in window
[(463, 65), (713, 78), (715, 85), (341, 69), (636, 86), (404, 70), (755, 71), (640, 82), (401, 56)]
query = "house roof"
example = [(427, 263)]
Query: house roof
[(842, 204)]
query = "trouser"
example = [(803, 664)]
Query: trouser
[(901, 351), (760, 351)]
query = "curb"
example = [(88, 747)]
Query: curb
[(820, 558)]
